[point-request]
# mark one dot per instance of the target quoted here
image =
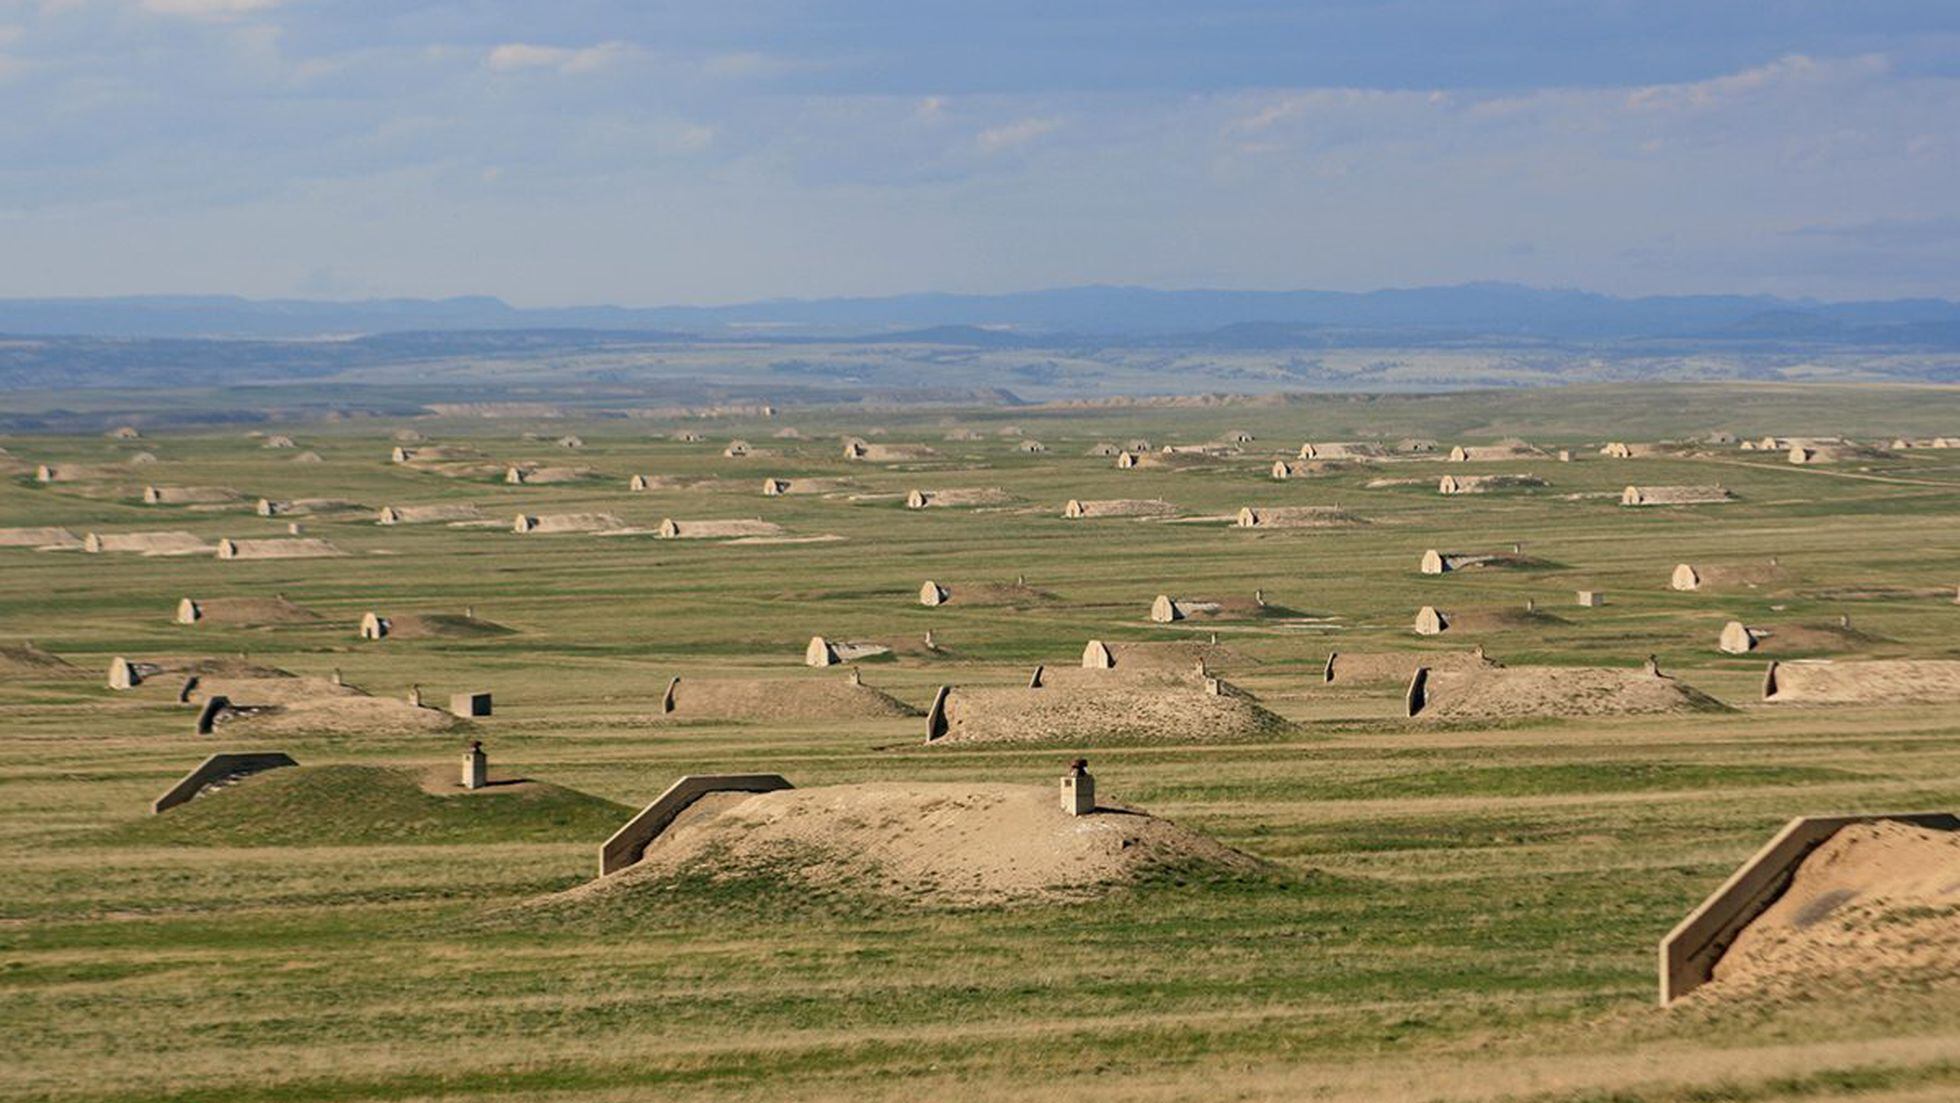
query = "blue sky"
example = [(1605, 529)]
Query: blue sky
[(581, 151)]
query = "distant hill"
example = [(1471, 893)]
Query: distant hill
[(1226, 318)]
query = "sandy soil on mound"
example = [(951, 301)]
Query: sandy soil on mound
[(1522, 692), (1365, 667), (1127, 710), (423, 515), (39, 538), (1174, 656), (1876, 682), (576, 522), (1126, 507), (300, 548), (1877, 904), (249, 691), (340, 715), (154, 543), (967, 496), (829, 698), (714, 530), (937, 843)]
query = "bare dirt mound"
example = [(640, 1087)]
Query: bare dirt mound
[(26, 661), (959, 497), (1527, 692), (1883, 681), (931, 844), (571, 522), (372, 805), (1877, 905), (302, 547), (443, 626), (39, 538), (1120, 710), (429, 514), (146, 543), (250, 690), (1118, 507), (326, 712), (827, 698), (250, 612), (1178, 657), (1396, 667)]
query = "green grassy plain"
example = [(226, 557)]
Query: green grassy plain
[(1455, 913)]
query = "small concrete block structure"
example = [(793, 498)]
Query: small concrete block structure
[(917, 499), (772, 488), (476, 767), (1431, 622), (1433, 562), (218, 768), (1689, 952), (523, 524), (1685, 578), (1590, 599), (467, 705), (374, 626), (1164, 610), (638, 482), (1034, 679), (188, 612), (1096, 655), (1078, 789), (629, 844), (937, 724), (514, 476), (932, 593)]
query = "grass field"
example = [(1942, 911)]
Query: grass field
[(1452, 912)]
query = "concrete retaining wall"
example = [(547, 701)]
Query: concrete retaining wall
[(629, 844), (219, 767), (1689, 952)]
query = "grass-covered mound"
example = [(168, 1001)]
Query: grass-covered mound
[(375, 805), (443, 626)]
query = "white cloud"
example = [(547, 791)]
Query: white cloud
[(1794, 70), (518, 56), (997, 139), (208, 9)]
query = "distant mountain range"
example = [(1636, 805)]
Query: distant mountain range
[(1230, 319)]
